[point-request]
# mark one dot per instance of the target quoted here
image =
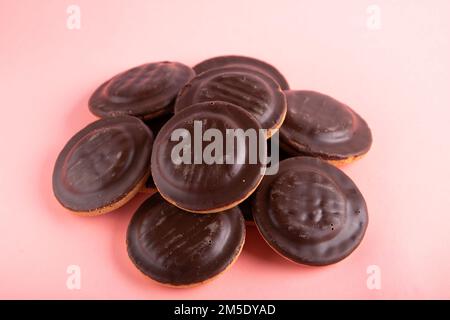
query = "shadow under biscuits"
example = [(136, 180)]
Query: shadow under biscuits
[(257, 248)]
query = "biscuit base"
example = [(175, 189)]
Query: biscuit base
[(116, 205), (149, 191), (343, 162), (277, 126), (336, 162)]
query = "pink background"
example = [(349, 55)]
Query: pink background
[(397, 78)]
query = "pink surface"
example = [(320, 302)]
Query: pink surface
[(397, 78)]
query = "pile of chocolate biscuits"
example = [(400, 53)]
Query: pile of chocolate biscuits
[(192, 227)]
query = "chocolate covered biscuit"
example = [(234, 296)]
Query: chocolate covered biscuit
[(199, 186), (320, 126), (249, 89), (179, 248), (247, 62), (310, 212), (103, 166), (146, 91)]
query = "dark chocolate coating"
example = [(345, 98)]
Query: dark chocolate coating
[(282, 155), (246, 206), (246, 209), (150, 184), (310, 212), (226, 61), (180, 248), (102, 163), (206, 187), (155, 125), (146, 91), (254, 91), (320, 126)]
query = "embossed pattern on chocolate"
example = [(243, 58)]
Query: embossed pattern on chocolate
[(146, 91), (310, 212), (179, 248), (320, 126), (206, 187), (102, 163), (242, 61), (254, 91), (155, 126), (182, 134)]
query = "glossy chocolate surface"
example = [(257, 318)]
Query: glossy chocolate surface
[(180, 248), (232, 60), (246, 206), (146, 91), (320, 126), (254, 91), (310, 212), (155, 126), (206, 187), (102, 163)]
